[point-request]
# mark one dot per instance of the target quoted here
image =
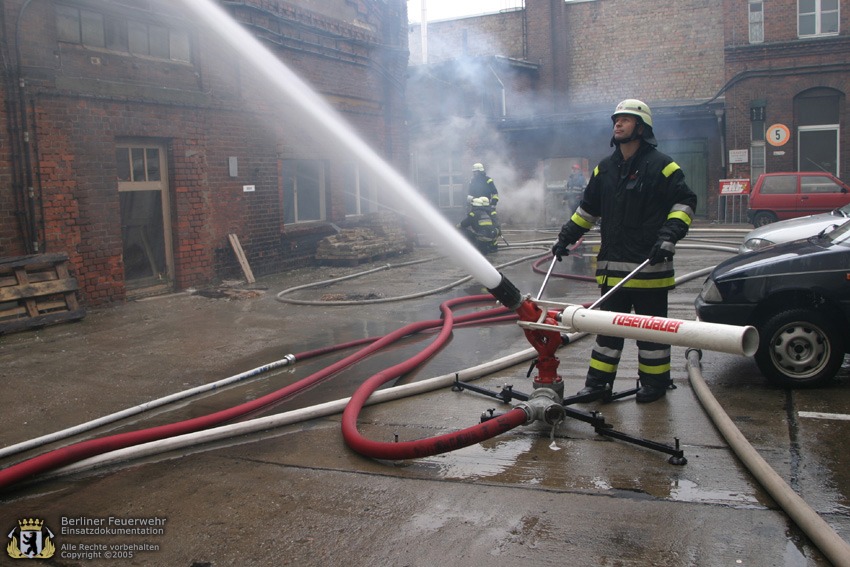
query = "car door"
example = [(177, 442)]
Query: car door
[(820, 194), (779, 194)]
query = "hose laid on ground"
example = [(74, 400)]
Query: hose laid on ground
[(825, 538), (289, 359), (420, 447), (281, 295), (128, 412), (255, 425), (434, 445), (302, 356), (71, 453)]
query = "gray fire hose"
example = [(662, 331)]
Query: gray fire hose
[(824, 537)]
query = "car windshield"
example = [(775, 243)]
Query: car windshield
[(843, 211), (840, 235)]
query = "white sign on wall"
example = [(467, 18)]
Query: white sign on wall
[(739, 156)]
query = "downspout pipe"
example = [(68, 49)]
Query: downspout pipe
[(27, 190)]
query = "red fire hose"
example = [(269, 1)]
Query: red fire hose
[(78, 451), (421, 447)]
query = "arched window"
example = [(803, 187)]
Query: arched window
[(816, 113)]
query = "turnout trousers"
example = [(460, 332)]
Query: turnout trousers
[(653, 358)]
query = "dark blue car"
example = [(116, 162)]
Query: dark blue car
[(797, 294)]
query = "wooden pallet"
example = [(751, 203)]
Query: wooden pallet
[(35, 291), (352, 246)]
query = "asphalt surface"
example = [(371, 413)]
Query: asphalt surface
[(298, 495)]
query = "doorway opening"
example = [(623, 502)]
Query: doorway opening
[(145, 219)]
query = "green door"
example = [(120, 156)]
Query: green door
[(692, 157)]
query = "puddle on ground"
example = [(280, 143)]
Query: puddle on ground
[(684, 490), (483, 460)]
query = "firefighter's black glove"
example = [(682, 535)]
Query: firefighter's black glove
[(662, 251), (560, 249), (569, 235)]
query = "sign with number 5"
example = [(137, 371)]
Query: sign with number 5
[(778, 134)]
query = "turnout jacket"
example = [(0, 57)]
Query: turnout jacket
[(639, 201), (483, 222), (482, 186)]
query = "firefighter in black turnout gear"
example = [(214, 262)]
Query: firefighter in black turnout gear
[(645, 207), (481, 225), (482, 186)]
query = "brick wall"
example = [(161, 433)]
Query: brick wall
[(776, 71), (492, 34), (607, 50), (82, 102)]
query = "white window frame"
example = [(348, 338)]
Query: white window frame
[(364, 189), (88, 28), (756, 21), (297, 213), (818, 15), (758, 159), (448, 194), (821, 128)]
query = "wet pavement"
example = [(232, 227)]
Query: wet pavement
[(297, 495)]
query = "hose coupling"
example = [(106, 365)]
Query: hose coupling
[(545, 405)]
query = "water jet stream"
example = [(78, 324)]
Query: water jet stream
[(325, 117)]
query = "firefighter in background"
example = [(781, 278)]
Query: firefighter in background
[(645, 207), (575, 186), (481, 225), (482, 186)]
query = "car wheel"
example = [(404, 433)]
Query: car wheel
[(800, 348), (762, 218)]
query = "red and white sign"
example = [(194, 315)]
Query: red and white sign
[(777, 134), (734, 186)]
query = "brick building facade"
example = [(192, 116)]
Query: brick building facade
[(138, 140), (694, 62), (787, 66), (565, 67)]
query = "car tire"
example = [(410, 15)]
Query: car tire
[(762, 218), (800, 348)]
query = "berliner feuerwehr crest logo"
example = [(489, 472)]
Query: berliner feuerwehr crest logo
[(30, 540)]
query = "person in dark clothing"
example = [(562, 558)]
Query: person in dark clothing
[(482, 186), (575, 187), (645, 207), (481, 225)]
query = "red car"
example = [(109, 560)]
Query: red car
[(787, 195)]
